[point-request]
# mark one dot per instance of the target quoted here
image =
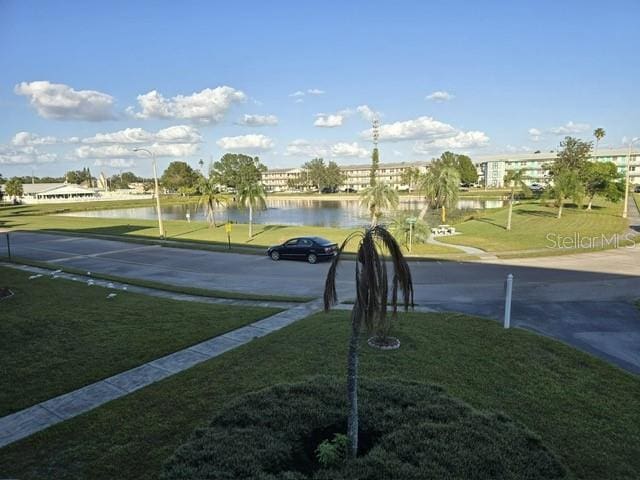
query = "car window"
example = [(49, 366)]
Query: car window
[(291, 243), (305, 242)]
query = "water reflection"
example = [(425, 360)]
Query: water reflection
[(325, 213)]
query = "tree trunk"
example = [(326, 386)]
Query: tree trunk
[(510, 213), (590, 202), (560, 209), (423, 210), (250, 221), (352, 387)]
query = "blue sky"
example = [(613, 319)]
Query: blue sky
[(83, 83)]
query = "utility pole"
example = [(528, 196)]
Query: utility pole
[(157, 188), (625, 209)]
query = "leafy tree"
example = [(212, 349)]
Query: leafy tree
[(334, 177), (567, 184), (316, 172), (13, 188), (370, 307), (2, 179), (410, 176), (210, 198), (79, 177), (236, 170), (179, 174), (375, 164), (378, 198), (601, 178), (515, 179), (123, 180), (252, 195), (572, 156), (466, 168)]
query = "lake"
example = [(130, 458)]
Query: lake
[(323, 213)]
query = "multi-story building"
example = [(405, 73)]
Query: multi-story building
[(356, 176), (492, 168)]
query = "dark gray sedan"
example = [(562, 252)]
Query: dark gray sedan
[(310, 249)]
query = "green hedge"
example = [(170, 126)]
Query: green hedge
[(407, 431)]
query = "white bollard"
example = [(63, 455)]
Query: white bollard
[(508, 289)]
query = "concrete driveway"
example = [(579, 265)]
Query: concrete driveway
[(584, 300)]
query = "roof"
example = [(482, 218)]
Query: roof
[(546, 156), (32, 188), (64, 189)]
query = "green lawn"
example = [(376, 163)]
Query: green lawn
[(59, 335), (535, 226), (587, 411)]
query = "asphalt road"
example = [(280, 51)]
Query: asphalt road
[(584, 300)]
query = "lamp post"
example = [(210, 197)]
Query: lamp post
[(625, 210), (157, 189)]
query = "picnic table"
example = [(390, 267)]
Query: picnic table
[(443, 230)]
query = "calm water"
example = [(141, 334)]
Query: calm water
[(281, 212)]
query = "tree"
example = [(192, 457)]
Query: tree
[(370, 307), (333, 176), (375, 163), (252, 195), (601, 178), (572, 156), (179, 174), (567, 184), (410, 176), (515, 179), (401, 229), (235, 170), (13, 188), (123, 180), (467, 170), (316, 172), (79, 177), (378, 198), (599, 133), (210, 198), (440, 187)]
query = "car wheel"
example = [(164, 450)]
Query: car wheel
[(312, 258), (275, 256)]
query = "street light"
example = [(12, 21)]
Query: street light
[(625, 210), (157, 189)]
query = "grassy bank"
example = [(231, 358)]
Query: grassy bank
[(535, 226), (588, 412), (58, 335)]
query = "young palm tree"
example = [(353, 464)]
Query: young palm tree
[(210, 198), (428, 187), (441, 187), (377, 198), (567, 185), (252, 195), (515, 179), (370, 307)]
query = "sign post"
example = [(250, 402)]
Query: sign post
[(227, 228), (508, 290), (411, 221)]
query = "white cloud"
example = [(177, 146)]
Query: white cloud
[(58, 101), (328, 121), (174, 134), (422, 128), (535, 134), (125, 151), (246, 142), (207, 106), (343, 149), (304, 148), (24, 155), (462, 140), (23, 139), (258, 120), (315, 91), (570, 128), (115, 163), (299, 93), (367, 113), (440, 96)]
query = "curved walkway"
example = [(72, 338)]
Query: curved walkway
[(483, 255)]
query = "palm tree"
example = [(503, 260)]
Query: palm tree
[(370, 307), (252, 195), (427, 185), (515, 179), (566, 184), (599, 133), (441, 187), (210, 198), (379, 197)]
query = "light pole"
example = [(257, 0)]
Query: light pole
[(157, 189), (625, 210)]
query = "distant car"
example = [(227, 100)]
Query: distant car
[(310, 249), (349, 190), (536, 187), (329, 190), (637, 189)]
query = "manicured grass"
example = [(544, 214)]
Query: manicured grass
[(586, 411), (33, 218), (58, 335), (200, 292), (535, 226)]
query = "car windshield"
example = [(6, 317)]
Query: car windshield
[(322, 241)]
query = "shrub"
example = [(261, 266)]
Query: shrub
[(408, 431)]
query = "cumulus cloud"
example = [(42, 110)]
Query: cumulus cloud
[(315, 91), (535, 134), (58, 101), (570, 128), (258, 120), (23, 139), (207, 106), (328, 121), (299, 93), (24, 155), (253, 143), (367, 113), (343, 149), (440, 96), (461, 140), (174, 134), (115, 163), (125, 151), (304, 148), (421, 128)]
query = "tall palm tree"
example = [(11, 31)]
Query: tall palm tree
[(377, 198), (515, 179), (599, 133), (441, 187), (370, 307), (210, 198), (428, 187), (252, 195)]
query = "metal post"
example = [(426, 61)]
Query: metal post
[(157, 188), (508, 289), (8, 247), (410, 235)]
